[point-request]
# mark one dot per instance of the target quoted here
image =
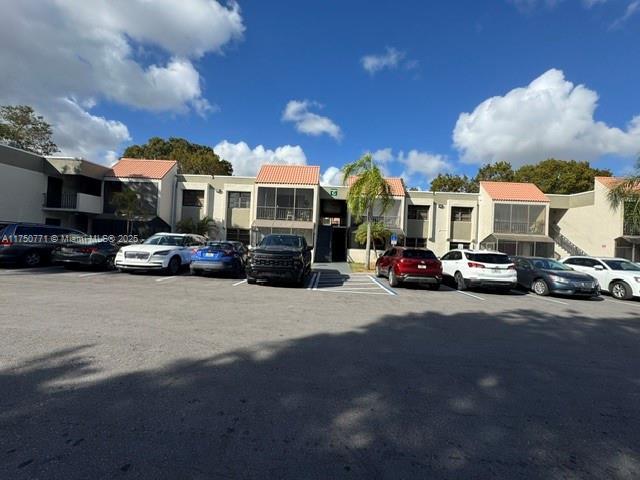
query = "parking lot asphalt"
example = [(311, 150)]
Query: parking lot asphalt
[(110, 375)]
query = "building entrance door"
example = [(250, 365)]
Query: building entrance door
[(339, 244)]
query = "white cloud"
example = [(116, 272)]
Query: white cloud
[(632, 9), (592, 3), (134, 53), (309, 123), (551, 117), (247, 161), (418, 167), (331, 176), (390, 59)]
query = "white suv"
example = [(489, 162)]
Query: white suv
[(617, 275), (479, 268)]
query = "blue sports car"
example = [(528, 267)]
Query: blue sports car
[(218, 257)]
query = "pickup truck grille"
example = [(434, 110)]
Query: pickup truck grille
[(273, 262)]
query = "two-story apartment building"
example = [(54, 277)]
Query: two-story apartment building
[(514, 218)]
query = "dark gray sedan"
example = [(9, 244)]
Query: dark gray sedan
[(545, 276)]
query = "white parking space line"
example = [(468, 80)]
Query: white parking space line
[(239, 283), (470, 295), (353, 293), (165, 279), (545, 299), (386, 289), (312, 280), (84, 275), (317, 280)]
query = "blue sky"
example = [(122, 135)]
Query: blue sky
[(225, 78)]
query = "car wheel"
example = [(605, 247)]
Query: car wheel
[(540, 287), (621, 290), (393, 279), (460, 283), (378, 272), (32, 259), (251, 280), (174, 266)]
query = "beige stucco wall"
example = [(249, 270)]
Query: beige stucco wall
[(21, 193), (166, 196), (592, 227)]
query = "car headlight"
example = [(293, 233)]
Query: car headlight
[(162, 253), (558, 279)]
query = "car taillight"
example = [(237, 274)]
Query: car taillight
[(511, 267), (5, 242), (88, 250), (475, 265)]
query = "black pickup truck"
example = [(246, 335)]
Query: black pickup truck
[(280, 258)]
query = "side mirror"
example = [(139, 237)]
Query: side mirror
[(598, 268)]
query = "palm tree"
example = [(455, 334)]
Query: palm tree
[(379, 232), (626, 195), (204, 226), (127, 204), (368, 188)]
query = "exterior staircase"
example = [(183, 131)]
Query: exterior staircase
[(564, 246)]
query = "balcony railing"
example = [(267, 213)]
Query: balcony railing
[(67, 200), (631, 229), (389, 222), (518, 227), (285, 213)]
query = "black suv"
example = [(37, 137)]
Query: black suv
[(280, 257), (31, 244)]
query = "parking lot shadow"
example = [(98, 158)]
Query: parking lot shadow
[(426, 395)]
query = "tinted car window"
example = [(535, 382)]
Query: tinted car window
[(421, 254), (282, 241), (221, 245), (32, 230), (622, 265), (488, 258), (172, 240), (548, 264)]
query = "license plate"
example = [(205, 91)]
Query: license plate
[(66, 250), (422, 266), (209, 254), (496, 270)]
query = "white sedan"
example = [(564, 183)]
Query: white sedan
[(620, 277), (163, 251)]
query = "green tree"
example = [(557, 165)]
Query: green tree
[(379, 232), (128, 205), (201, 227), (368, 190), (191, 157), (560, 176), (448, 182), (495, 172), (20, 127), (626, 195)]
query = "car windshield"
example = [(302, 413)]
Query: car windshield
[(281, 241), (488, 258), (421, 254), (548, 264), (622, 265), (220, 246), (173, 240)]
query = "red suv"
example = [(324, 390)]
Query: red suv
[(415, 265)]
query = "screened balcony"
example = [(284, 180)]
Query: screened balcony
[(285, 204), (520, 219)]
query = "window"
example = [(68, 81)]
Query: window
[(421, 254), (418, 212), (239, 235), (295, 204), (415, 242), (461, 214), (239, 200), (192, 198), (458, 245)]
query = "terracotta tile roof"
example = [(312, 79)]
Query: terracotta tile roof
[(396, 185), (141, 168), (608, 182), (515, 192), (289, 174)]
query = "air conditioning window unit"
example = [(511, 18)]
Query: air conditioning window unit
[(326, 221)]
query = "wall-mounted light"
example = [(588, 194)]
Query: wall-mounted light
[(218, 190)]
